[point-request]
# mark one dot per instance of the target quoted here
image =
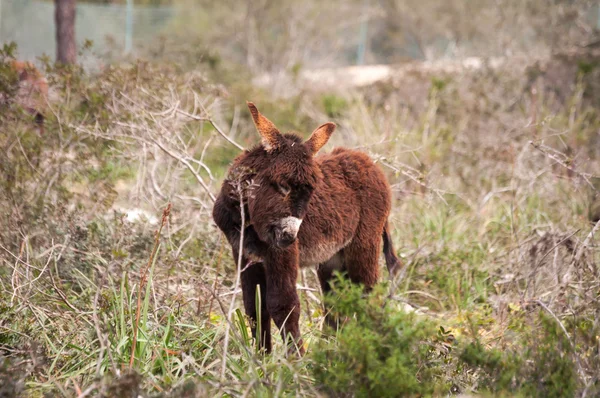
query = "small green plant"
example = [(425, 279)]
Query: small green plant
[(9, 80), (11, 385), (334, 105)]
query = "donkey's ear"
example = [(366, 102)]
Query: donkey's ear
[(319, 137), (267, 130)]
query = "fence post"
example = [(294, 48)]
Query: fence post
[(362, 36), (0, 17), (129, 27)]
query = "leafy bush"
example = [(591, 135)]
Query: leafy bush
[(379, 351), (9, 80), (382, 350), (540, 366)]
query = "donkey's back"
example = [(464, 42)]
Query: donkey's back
[(360, 173), (346, 221)]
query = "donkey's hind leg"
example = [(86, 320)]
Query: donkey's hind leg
[(325, 272), (360, 259), (253, 276)]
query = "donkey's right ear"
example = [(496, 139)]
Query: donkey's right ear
[(319, 137), (267, 130)]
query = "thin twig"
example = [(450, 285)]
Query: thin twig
[(539, 262), (87, 391), (189, 167), (101, 336), (15, 275), (556, 156), (143, 278), (213, 124), (416, 178), (237, 281), (586, 242)]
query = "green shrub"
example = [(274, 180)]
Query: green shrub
[(9, 80), (380, 351), (334, 105), (541, 366)]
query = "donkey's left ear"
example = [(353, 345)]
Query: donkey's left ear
[(267, 130), (319, 137)]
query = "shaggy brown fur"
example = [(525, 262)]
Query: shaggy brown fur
[(328, 211)]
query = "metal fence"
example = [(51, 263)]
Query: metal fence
[(121, 28), (111, 27)]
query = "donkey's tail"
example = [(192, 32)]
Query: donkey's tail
[(391, 260)]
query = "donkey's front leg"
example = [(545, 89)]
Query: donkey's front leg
[(253, 276), (283, 303)]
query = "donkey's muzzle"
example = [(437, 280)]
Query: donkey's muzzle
[(286, 231)]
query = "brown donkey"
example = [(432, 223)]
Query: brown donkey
[(302, 210)]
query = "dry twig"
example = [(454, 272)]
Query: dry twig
[(142, 283)]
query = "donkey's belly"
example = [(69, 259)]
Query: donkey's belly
[(319, 253)]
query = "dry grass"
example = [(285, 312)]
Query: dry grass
[(495, 185)]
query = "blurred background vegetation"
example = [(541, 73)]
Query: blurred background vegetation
[(267, 35), (484, 115)]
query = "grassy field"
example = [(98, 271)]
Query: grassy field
[(495, 175)]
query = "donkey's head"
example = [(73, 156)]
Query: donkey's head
[(285, 180)]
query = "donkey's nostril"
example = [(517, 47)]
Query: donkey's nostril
[(290, 235), (285, 239)]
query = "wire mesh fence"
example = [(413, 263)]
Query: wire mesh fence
[(116, 29), (30, 24)]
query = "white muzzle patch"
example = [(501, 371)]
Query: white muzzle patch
[(290, 225)]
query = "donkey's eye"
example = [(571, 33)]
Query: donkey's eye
[(283, 189)]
